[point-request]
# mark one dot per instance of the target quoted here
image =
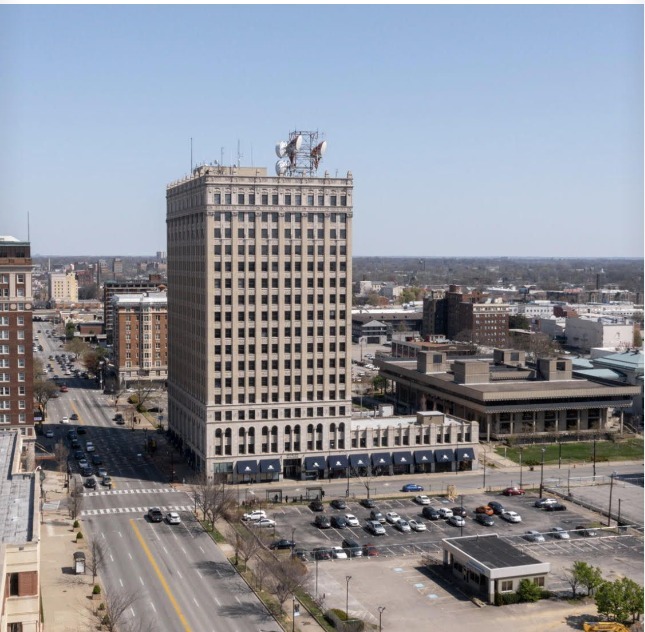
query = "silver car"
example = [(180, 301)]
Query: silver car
[(375, 527), (559, 533), (533, 536)]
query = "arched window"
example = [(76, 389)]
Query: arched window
[(287, 430), (265, 431), (296, 429), (241, 432), (319, 428), (332, 427), (274, 431), (310, 429)]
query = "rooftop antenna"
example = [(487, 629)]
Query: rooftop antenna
[(239, 153), (191, 154), (221, 156), (28, 232)]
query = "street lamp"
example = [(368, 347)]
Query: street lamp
[(521, 452), (293, 542), (611, 491), (594, 458), (347, 579), (380, 615), (559, 453), (542, 472), (484, 463)]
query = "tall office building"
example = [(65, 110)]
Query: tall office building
[(259, 314), (16, 339)]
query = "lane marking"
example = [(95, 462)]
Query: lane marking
[(162, 579)]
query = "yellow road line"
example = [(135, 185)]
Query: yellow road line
[(162, 579)]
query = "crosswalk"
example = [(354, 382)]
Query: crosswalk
[(140, 510), (115, 492)]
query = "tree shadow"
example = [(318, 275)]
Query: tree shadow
[(576, 621), (215, 569), (246, 609)]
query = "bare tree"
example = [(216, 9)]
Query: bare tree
[(247, 544), (61, 452), (76, 498), (143, 391), (96, 557), (44, 390), (212, 497), (288, 577), (117, 603)]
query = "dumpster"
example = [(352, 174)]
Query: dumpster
[(79, 562)]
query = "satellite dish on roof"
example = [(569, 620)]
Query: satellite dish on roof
[(294, 145), (281, 149), (281, 167)]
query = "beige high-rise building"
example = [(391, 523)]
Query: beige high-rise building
[(63, 287), (259, 319)]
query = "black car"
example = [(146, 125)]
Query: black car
[(368, 503), (498, 508), (87, 471), (555, 507), (459, 511), (76, 444), (322, 521), (90, 482), (484, 519), (282, 544), (118, 417), (316, 505), (74, 417), (96, 459), (81, 430), (352, 548), (338, 503), (155, 515), (431, 513), (338, 522), (79, 454)]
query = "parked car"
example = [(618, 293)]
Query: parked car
[(322, 521), (459, 511), (586, 532), (392, 517), (422, 500), (511, 516), (368, 503), (403, 526), (339, 522), (484, 519), (263, 522), (485, 509), (49, 434), (282, 544), (375, 514), (338, 553), (497, 508), (316, 505), (301, 554), (431, 513), (457, 521), (369, 550), (155, 515), (375, 527), (513, 491), (172, 517), (87, 470), (353, 548), (533, 536), (118, 417), (83, 463), (412, 487), (338, 503), (81, 430), (101, 472), (445, 512), (89, 446), (417, 525), (120, 422), (321, 553), (559, 533), (555, 507), (96, 459), (255, 515), (542, 502), (352, 520)]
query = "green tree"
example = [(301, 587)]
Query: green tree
[(528, 591), (379, 383), (620, 599), (76, 346), (518, 321), (44, 390), (583, 574), (91, 358), (70, 328)]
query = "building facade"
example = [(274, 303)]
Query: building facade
[(587, 333), (140, 340), (63, 288), (16, 340), (259, 315)]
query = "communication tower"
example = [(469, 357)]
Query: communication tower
[(300, 155)]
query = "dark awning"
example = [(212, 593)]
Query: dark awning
[(359, 460), (270, 465), (247, 467), (314, 463), (444, 456), (381, 460), (423, 456), (465, 454), (402, 458), (338, 462)]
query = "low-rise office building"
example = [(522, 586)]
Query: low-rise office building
[(486, 565)]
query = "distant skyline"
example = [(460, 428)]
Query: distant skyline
[(473, 130)]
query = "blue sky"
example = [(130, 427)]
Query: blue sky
[(470, 130)]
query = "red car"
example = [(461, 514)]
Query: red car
[(513, 491)]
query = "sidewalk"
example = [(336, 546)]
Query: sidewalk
[(66, 598)]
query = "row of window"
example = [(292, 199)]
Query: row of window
[(277, 284), (249, 233), (288, 199), (287, 364), (275, 333), (252, 299), (5, 418), (276, 316), (244, 250), (276, 398), (249, 266), (284, 348)]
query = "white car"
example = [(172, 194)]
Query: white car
[(456, 521), (392, 517), (255, 515), (352, 520), (422, 500), (173, 518), (417, 525), (89, 446), (83, 463), (444, 512), (49, 434), (559, 533), (65, 420), (511, 516), (403, 526), (338, 553), (263, 522)]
